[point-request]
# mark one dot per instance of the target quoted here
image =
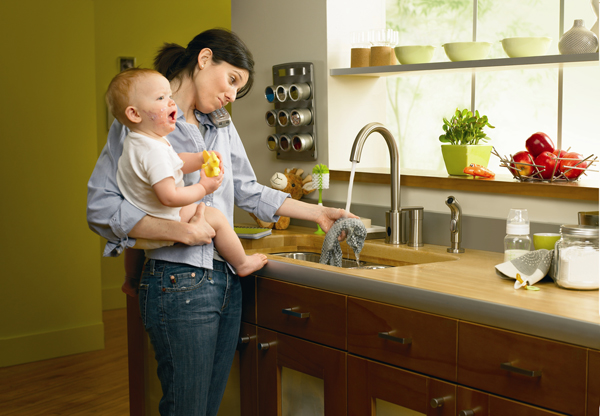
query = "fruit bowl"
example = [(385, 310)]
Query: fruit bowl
[(566, 169), (526, 46), (467, 51), (414, 54)]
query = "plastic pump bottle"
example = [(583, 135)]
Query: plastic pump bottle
[(517, 241)]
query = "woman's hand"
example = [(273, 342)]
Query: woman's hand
[(330, 215), (200, 232)]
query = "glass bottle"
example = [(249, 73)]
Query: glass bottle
[(517, 241), (576, 258)]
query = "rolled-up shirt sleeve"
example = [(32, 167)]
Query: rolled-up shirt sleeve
[(108, 213), (250, 195)]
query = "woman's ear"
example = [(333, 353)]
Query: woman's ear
[(204, 56), (133, 115)]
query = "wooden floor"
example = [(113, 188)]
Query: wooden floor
[(94, 383)]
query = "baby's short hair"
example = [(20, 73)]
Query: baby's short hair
[(119, 90)]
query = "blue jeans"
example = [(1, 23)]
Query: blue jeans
[(193, 318)]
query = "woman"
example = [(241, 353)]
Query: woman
[(190, 302)]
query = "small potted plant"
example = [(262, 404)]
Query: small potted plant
[(462, 134)]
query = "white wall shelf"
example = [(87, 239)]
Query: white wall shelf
[(548, 61)]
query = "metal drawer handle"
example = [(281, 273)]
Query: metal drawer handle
[(437, 402), (263, 346), (386, 335), (290, 312), (522, 371), (467, 413)]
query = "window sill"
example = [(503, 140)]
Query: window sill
[(584, 189)]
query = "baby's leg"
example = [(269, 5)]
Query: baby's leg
[(187, 212), (229, 246)]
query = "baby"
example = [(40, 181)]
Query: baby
[(150, 173)]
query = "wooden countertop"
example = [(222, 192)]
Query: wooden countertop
[(457, 285)]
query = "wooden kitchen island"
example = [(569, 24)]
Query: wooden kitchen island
[(440, 335)]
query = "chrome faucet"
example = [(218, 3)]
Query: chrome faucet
[(393, 216), (455, 225)]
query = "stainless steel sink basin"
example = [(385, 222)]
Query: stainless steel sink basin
[(346, 263)]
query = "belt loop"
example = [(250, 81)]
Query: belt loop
[(151, 265)]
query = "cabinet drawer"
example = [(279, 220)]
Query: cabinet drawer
[(304, 312), (530, 369), (403, 337)]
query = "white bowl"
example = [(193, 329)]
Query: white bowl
[(414, 54), (526, 46), (467, 51)]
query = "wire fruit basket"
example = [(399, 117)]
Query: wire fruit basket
[(571, 174)]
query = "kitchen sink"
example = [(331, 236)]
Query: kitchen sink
[(346, 263)]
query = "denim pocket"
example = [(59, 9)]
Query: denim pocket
[(182, 282), (143, 300)]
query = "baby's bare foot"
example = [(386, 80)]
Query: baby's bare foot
[(253, 263)]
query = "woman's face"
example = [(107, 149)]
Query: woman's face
[(217, 84)]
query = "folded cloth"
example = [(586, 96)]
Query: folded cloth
[(531, 267), (331, 253)]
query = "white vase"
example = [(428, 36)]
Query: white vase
[(578, 39)]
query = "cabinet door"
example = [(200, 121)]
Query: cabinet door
[(369, 381), (304, 312), (403, 337), (247, 349), (526, 368), (503, 407), (297, 377), (249, 299), (593, 397)]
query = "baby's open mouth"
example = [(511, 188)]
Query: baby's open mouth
[(172, 115)]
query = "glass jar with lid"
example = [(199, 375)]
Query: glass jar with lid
[(576, 258)]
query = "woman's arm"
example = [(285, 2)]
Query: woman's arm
[(324, 216)]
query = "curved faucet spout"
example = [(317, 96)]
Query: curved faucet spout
[(393, 222)]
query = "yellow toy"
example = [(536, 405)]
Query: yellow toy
[(291, 182), (211, 164)]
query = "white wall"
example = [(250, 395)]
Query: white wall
[(279, 31)]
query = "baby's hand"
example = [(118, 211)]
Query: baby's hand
[(210, 184)]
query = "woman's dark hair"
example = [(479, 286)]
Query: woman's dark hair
[(172, 60)]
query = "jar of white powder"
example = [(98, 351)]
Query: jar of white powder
[(576, 257)]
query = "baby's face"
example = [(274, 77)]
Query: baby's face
[(152, 98)]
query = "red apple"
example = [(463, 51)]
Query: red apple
[(571, 159), (548, 161), (523, 157), (539, 142), (559, 153)]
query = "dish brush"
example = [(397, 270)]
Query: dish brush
[(320, 177)]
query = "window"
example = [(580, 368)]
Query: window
[(518, 102)]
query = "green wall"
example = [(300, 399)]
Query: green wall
[(58, 58), (51, 299), (137, 29)]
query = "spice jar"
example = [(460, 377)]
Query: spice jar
[(576, 258)]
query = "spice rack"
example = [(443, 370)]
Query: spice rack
[(294, 114)]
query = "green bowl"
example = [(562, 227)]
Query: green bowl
[(414, 54), (545, 240), (526, 46), (467, 51)]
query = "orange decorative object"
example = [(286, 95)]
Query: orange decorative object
[(478, 170)]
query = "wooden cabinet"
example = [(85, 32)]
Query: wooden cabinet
[(526, 368), (367, 353), (403, 337), (593, 392), (304, 312), (278, 352)]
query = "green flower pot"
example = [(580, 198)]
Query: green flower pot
[(458, 157)]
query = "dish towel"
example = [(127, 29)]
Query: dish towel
[(331, 252), (531, 267)]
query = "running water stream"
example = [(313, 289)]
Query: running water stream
[(349, 199)]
